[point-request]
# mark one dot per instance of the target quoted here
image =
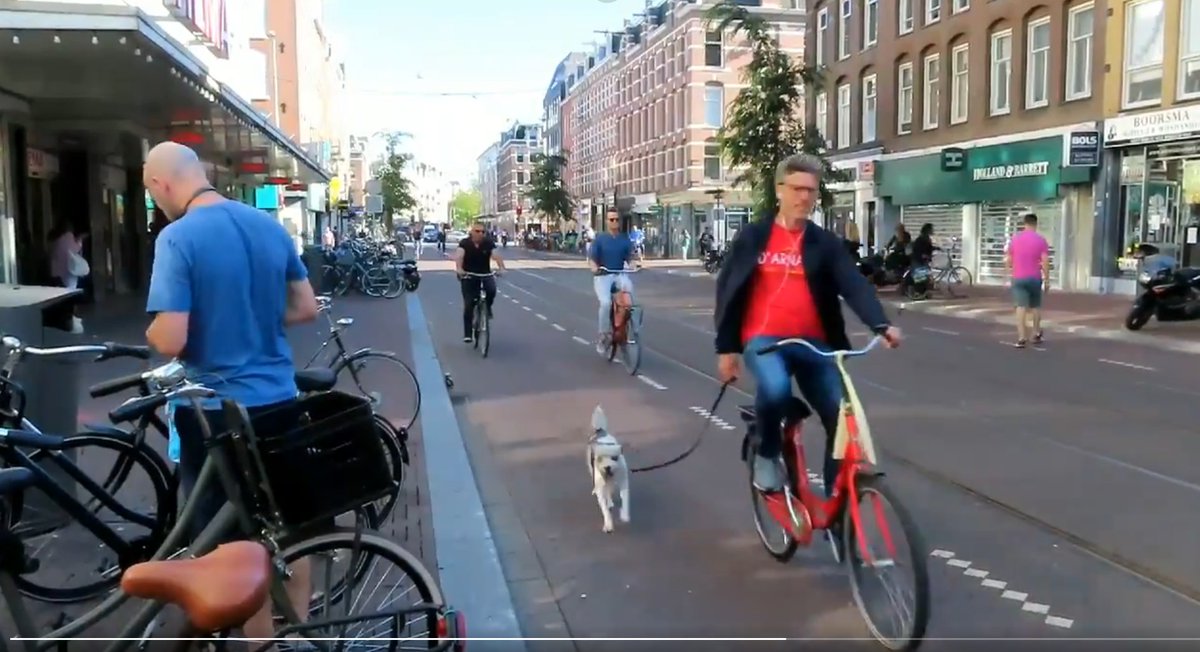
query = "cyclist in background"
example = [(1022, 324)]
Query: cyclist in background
[(475, 255), (611, 251), (782, 278)]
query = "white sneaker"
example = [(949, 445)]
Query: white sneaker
[(76, 325)]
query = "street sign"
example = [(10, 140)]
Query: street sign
[(374, 204), (953, 159), (374, 187)]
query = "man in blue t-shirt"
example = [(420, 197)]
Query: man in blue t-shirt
[(227, 279), (609, 253)]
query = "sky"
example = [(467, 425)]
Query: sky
[(403, 56)]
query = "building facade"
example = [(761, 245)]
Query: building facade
[(76, 121), (645, 117), (961, 114), (431, 189), (1151, 137), (486, 173), (566, 74), (514, 154)]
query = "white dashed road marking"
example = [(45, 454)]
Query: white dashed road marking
[(526, 308), (651, 382), (541, 316), (580, 340), (939, 330), (716, 420), (559, 328), (1126, 364), (953, 561)]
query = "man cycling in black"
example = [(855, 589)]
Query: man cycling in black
[(475, 255)]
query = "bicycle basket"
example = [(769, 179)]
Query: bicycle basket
[(333, 462), (920, 274)]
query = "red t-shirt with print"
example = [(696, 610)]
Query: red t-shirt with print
[(781, 304)]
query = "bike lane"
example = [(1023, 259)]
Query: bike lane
[(690, 563), (978, 547)]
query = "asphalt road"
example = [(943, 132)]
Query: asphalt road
[(1054, 488)]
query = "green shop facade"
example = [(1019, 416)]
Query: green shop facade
[(977, 195)]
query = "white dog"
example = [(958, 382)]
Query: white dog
[(610, 472)]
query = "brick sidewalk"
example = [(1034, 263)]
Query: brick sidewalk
[(376, 325), (1079, 313)]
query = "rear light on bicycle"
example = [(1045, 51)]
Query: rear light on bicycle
[(452, 626)]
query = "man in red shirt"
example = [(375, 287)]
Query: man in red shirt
[(782, 279)]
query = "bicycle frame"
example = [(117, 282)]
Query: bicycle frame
[(854, 447)]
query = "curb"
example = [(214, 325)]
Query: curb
[(994, 316), (469, 568)]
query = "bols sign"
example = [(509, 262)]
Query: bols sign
[(1083, 148)]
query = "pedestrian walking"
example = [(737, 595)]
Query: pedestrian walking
[(226, 281), (68, 265), (1027, 264)]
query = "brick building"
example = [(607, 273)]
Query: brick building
[(516, 148)]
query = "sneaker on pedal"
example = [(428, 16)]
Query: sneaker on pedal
[(768, 474)]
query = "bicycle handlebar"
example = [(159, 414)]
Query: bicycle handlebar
[(477, 275), (627, 270), (106, 350), (846, 353), (167, 382)]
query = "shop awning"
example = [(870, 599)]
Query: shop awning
[(87, 65)]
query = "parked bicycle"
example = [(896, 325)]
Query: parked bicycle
[(268, 477), (950, 277), (481, 321), (377, 269), (796, 511), (626, 321)]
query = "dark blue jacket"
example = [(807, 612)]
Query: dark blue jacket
[(831, 274)]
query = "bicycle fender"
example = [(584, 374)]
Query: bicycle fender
[(108, 431), (367, 350), (871, 473)]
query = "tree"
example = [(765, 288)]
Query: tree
[(395, 188), (547, 194), (764, 124), (465, 206)]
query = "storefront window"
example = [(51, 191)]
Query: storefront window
[(1160, 198)]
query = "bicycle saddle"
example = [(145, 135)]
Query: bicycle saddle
[(218, 591), (315, 380), (14, 480)]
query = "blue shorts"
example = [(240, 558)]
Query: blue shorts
[(1027, 292)]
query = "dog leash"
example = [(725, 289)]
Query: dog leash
[(695, 443)]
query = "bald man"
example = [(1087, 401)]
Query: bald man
[(227, 279)]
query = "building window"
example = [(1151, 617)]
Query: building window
[(843, 116), (520, 158), (823, 116), (822, 30), (932, 90), (1001, 82), (844, 29), (1037, 64), (960, 86), (1189, 51), (1144, 25), (904, 98), (1081, 26), (712, 159), (870, 105), (933, 11), (961, 5), (870, 23), (714, 52), (714, 105), (906, 16), (520, 178)]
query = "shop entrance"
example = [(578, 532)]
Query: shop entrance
[(998, 222), (1160, 196)]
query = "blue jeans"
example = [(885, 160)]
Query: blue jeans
[(602, 285), (820, 385)]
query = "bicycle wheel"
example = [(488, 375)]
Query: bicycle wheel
[(885, 554), (366, 373), (483, 330), (783, 546), (373, 282), (615, 332), (68, 552), (345, 278), (405, 592), (395, 286), (631, 347), (955, 280)]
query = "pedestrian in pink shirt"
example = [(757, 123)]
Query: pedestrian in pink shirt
[(1027, 261)]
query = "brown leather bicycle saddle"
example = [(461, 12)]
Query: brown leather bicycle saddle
[(218, 591)]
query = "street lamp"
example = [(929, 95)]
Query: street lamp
[(275, 79)]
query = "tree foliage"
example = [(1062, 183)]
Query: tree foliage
[(765, 124), (465, 206), (547, 194), (395, 187)]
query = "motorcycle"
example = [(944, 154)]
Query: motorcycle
[(713, 259), (1169, 294)]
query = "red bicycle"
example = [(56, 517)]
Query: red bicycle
[(797, 511), (626, 320)]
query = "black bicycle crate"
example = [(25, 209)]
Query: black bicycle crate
[(332, 463)]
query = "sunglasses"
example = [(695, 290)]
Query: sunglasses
[(476, 230)]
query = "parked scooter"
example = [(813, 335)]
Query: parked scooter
[(1169, 293)]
